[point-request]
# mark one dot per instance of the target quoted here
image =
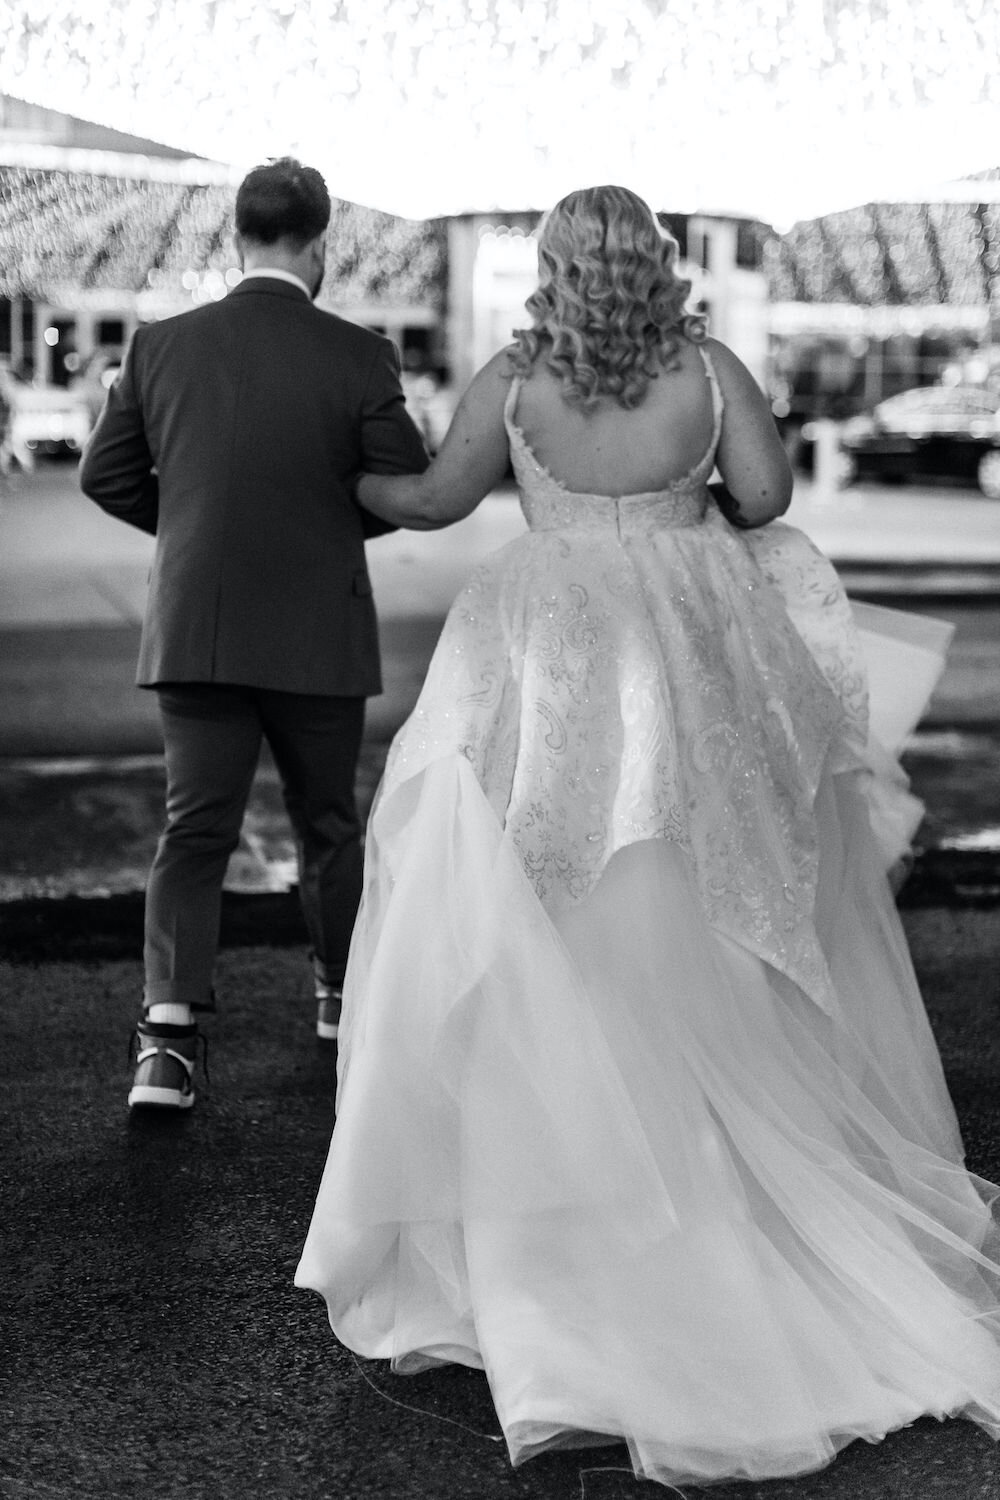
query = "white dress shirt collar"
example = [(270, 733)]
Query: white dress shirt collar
[(278, 275)]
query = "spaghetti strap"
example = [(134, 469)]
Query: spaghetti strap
[(713, 380), (510, 403), (530, 471)]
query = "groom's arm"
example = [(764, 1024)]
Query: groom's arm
[(390, 441), (117, 467), (473, 459)]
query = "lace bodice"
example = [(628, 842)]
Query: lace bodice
[(549, 505), (625, 671)]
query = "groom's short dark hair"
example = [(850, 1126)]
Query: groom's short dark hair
[(282, 200)]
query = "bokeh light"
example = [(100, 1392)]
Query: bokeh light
[(780, 108), (64, 232)]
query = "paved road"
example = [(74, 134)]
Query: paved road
[(72, 588), (63, 562), (154, 1346)]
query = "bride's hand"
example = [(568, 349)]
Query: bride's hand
[(472, 461), (729, 507)]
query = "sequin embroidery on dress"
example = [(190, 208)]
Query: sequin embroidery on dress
[(622, 673)]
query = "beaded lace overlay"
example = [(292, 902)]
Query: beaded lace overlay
[(629, 670)]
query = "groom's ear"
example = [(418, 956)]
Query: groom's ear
[(317, 248), (239, 248)]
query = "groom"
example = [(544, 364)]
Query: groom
[(233, 433)]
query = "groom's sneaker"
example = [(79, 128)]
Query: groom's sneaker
[(164, 1066), (328, 1002)]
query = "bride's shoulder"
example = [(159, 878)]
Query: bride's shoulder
[(504, 362), (486, 395), (492, 383), (725, 363), (737, 384), (499, 371)]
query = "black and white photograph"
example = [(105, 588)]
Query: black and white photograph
[(499, 749)]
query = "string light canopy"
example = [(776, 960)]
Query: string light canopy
[(933, 253), (63, 233), (779, 109)]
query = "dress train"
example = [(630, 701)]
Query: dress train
[(638, 1107)]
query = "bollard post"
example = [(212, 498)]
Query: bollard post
[(826, 460)]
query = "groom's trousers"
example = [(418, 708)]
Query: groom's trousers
[(212, 737)]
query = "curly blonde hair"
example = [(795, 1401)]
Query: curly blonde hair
[(608, 312)]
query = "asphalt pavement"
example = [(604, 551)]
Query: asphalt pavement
[(80, 746), (153, 1344)]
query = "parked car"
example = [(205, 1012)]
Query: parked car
[(43, 420), (932, 432), (95, 380)]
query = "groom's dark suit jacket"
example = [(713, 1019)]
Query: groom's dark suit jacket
[(233, 433)]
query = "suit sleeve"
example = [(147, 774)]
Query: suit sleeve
[(117, 470), (390, 442)]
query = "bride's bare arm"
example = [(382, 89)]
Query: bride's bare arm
[(473, 459), (751, 456)]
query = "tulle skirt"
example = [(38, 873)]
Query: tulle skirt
[(614, 1157)]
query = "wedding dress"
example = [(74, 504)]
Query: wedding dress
[(638, 1105)]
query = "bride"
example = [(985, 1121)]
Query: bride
[(638, 1106)]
